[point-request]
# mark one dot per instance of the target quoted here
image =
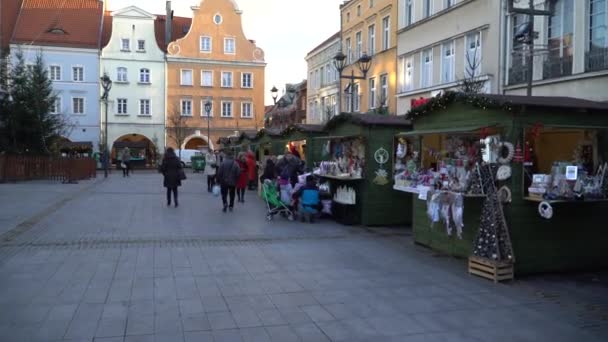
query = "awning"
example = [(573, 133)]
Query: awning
[(462, 129)]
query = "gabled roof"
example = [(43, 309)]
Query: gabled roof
[(74, 23), (318, 47), (8, 17)]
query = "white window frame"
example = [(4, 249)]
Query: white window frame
[(451, 60), (201, 47), (203, 78), (52, 74), (328, 74), (384, 89), (126, 75), (231, 109), (122, 44), (372, 92), (141, 102), (57, 104), (371, 3), (356, 92), (84, 105), (386, 33), (139, 42), (226, 51), (448, 3), (250, 80), (231, 79), (589, 28), (119, 104), (423, 68), (143, 74), (358, 10), (250, 116), (408, 73), (358, 44), (371, 39), (349, 51), (81, 67), (427, 8), (181, 107), (409, 15), (479, 52), (181, 77), (560, 37), (203, 113)]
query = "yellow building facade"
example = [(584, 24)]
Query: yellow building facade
[(213, 62), (370, 26)]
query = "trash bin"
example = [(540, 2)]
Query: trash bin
[(198, 163)]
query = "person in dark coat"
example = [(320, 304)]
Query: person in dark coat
[(290, 166), (171, 169), (228, 175), (269, 171)]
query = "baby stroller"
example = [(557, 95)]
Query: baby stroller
[(274, 204)]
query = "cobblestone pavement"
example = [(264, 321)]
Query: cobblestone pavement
[(106, 260)]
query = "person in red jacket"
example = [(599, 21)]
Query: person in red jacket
[(251, 169), (241, 184)]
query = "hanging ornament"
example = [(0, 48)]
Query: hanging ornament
[(545, 210), (506, 151), (503, 173), (518, 157)]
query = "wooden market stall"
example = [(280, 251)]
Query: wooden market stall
[(530, 171), (300, 140), (357, 167)]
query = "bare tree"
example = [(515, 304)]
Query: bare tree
[(471, 83), (177, 129), (381, 105)]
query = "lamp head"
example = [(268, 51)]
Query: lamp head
[(365, 63), (274, 91), (208, 107), (106, 82), (340, 61)]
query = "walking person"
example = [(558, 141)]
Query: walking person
[(228, 175), (171, 168), (210, 169), (241, 184), (125, 158), (251, 170)]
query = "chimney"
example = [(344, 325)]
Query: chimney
[(168, 23)]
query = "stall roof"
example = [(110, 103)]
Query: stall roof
[(548, 101), (461, 129), (310, 128), (370, 120)]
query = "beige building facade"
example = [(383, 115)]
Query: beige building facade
[(323, 81)]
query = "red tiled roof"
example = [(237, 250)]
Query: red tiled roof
[(9, 11), (180, 27), (72, 23)]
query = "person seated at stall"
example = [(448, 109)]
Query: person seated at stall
[(308, 197)]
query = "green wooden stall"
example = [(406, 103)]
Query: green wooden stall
[(376, 204), (575, 237), (301, 132)]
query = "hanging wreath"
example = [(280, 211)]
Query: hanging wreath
[(545, 210), (504, 195), (506, 151)]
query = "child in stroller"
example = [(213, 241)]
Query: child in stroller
[(273, 201), (308, 200)]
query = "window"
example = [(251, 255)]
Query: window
[(328, 74), (349, 52), (55, 73), (427, 68), (125, 44), (597, 58), (383, 90), (386, 33), (226, 79), (408, 77), (356, 100), (371, 3), (186, 77), (217, 19), (409, 12), (560, 34), (449, 3), (348, 17), (203, 113), (322, 76), (121, 75), (121, 106), (207, 78), (472, 63), (141, 45), (371, 39), (358, 10), (78, 105), (56, 106), (144, 75), (358, 45), (77, 74), (447, 62), (246, 110), (372, 93), (311, 80), (144, 107), (229, 45), (246, 80), (186, 105), (226, 109), (427, 8), (205, 44)]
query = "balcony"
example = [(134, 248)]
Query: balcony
[(596, 60), (518, 74), (555, 66)]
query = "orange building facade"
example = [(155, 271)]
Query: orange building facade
[(213, 62)]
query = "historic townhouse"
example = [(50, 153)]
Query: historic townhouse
[(323, 81), (572, 56), (214, 62), (443, 42), (369, 27), (67, 34)]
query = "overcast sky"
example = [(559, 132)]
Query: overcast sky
[(285, 29)]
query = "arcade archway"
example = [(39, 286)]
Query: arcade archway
[(197, 142), (141, 149)]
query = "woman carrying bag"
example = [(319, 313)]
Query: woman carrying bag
[(173, 173)]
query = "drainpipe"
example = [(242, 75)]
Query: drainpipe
[(168, 23)]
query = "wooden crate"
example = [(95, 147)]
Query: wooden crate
[(490, 269)]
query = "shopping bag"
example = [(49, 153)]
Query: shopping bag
[(181, 174), (216, 190), (123, 165)]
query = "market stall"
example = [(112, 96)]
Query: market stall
[(515, 180), (299, 140), (356, 168)]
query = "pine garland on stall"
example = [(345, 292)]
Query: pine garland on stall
[(443, 101)]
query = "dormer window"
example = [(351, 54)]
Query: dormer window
[(57, 30), (217, 19)]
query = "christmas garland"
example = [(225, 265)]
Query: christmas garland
[(441, 102)]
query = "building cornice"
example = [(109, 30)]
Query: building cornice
[(174, 59), (52, 48), (575, 77), (434, 16)]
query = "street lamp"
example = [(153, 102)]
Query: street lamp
[(275, 92), (208, 111), (106, 84), (364, 63)]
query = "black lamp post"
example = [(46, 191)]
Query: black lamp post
[(106, 84), (208, 111), (275, 93), (364, 63)]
